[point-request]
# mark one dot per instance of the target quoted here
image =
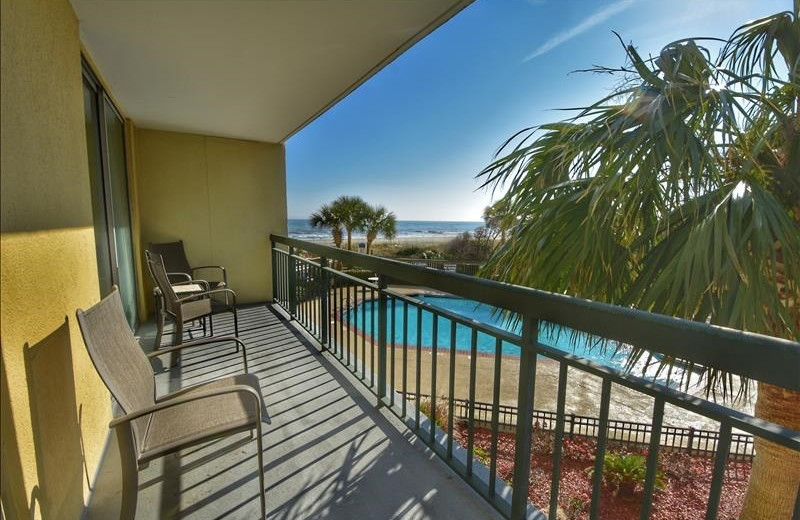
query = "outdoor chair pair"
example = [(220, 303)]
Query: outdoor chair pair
[(196, 300), (153, 426)]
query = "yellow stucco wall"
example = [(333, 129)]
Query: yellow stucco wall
[(222, 197), (55, 410)]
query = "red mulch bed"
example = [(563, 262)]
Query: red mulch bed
[(688, 479)]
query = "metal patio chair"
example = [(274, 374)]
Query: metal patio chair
[(186, 286), (176, 263), (193, 306), (152, 427)]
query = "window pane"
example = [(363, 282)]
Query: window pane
[(96, 181), (115, 134)]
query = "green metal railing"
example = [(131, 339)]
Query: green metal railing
[(324, 300)]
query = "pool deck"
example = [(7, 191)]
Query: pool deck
[(583, 389), (329, 451)]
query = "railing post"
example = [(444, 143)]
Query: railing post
[(325, 319), (382, 321), (292, 276), (273, 260), (524, 432)]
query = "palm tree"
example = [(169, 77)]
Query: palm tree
[(379, 220), (679, 193), (325, 217), (351, 212)]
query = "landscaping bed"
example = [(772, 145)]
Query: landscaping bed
[(685, 479)]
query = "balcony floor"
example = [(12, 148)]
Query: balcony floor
[(328, 452)]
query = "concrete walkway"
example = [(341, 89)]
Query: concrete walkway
[(329, 452)]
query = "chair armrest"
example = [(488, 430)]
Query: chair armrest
[(209, 293), (187, 398), (224, 272), (225, 291), (179, 275), (201, 342), (205, 284)]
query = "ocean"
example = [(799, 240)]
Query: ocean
[(300, 229)]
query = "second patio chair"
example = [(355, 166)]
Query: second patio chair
[(196, 305), (153, 427), (176, 263)]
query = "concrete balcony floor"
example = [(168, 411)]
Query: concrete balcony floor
[(328, 452)]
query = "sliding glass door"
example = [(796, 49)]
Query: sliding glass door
[(105, 142)]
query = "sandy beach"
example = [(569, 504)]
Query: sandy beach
[(434, 242)]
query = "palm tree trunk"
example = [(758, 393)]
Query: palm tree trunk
[(370, 239), (775, 477)]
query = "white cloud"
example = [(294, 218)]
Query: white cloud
[(597, 18)]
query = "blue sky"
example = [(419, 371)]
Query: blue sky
[(413, 137)]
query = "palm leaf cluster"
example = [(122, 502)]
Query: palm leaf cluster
[(348, 214), (677, 193)]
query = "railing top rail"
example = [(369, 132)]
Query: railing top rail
[(764, 358), (440, 260)]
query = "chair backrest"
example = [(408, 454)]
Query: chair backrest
[(155, 264), (174, 256), (118, 358)]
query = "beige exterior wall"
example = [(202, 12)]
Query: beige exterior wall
[(55, 410), (222, 197)]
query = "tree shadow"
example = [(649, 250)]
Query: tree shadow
[(54, 421)]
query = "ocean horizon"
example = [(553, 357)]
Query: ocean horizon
[(301, 229)]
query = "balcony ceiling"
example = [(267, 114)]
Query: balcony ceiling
[(246, 69)]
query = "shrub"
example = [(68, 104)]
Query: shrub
[(441, 411), (413, 251), (410, 251), (482, 454), (475, 246), (626, 473), (579, 449), (576, 506)]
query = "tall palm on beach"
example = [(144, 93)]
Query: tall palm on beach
[(379, 220), (679, 193), (326, 218), (351, 212)]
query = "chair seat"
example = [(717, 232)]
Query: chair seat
[(195, 421), (196, 309)]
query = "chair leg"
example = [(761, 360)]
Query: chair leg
[(235, 324), (160, 319), (130, 473), (262, 488), (211, 325), (159, 328), (178, 337)]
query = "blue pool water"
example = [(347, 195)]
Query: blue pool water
[(364, 317)]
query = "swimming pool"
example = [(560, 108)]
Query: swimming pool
[(364, 317)]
